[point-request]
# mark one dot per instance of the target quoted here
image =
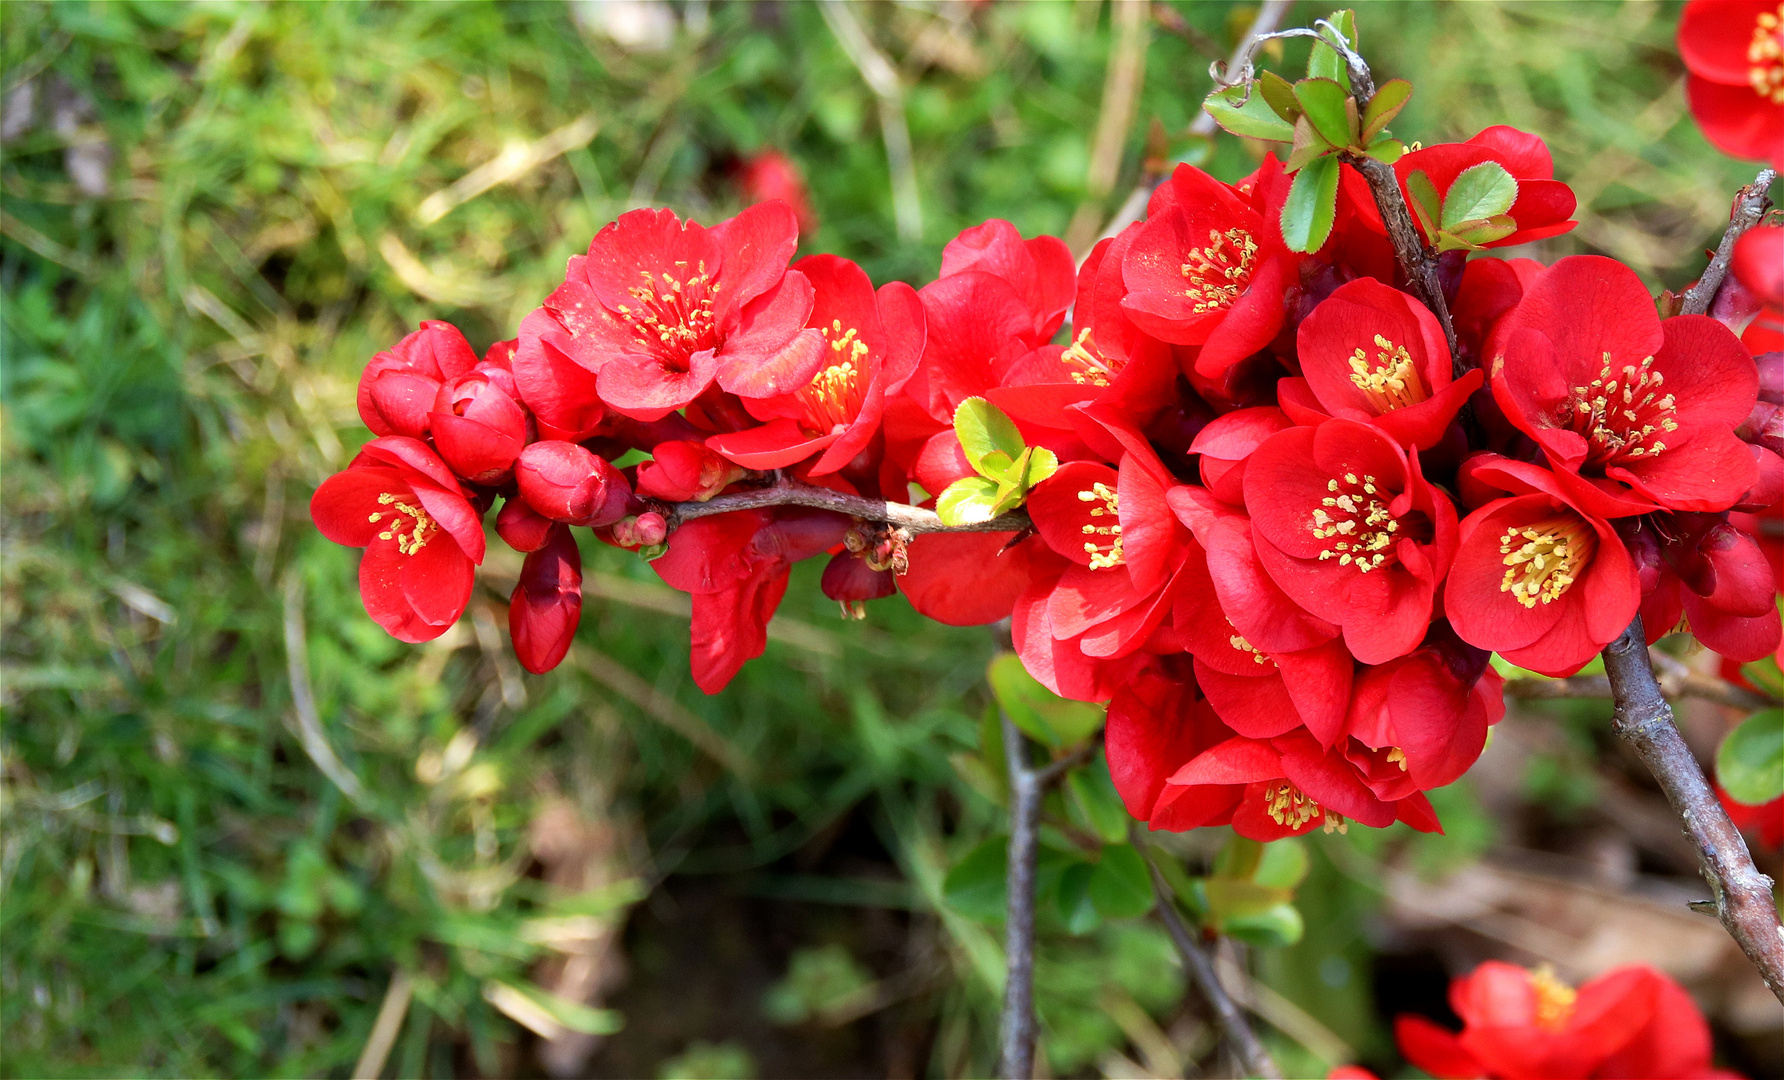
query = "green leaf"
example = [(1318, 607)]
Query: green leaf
[(1279, 94), (1277, 927), (1121, 887), (968, 500), (1309, 145), (1480, 191), (1042, 463), (1247, 116), (1324, 63), (1426, 203), (1232, 898), (1750, 762), (984, 429), (1311, 206), (1323, 102), (1041, 714), (1239, 857), (1764, 673), (1390, 97), (1473, 234), (1283, 864), (1095, 801), (1076, 906), (1386, 150), (975, 887)]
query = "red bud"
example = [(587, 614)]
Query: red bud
[(849, 581), (641, 530), (522, 527), (1742, 583), (477, 425), (684, 472), (547, 604), (566, 482)]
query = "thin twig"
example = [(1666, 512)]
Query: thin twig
[(1599, 686), (1269, 13), (913, 519), (1019, 1028), (1743, 896), (385, 1028), (1749, 206), (1200, 968), (882, 78)]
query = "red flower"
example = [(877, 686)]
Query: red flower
[(1208, 269), (769, 175), (422, 536), (874, 343), (1543, 208), (1536, 579), (979, 325), (735, 568), (1284, 786), (1041, 271), (478, 426), (1633, 413), (547, 602), (1228, 441), (397, 389), (1518, 1024), (1714, 575), (1157, 722), (1759, 263), (966, 579), (1734, 50), (1765, 821), (1348, 526), (660, 308), (1429, 710), (567, 483), (1373, 354)]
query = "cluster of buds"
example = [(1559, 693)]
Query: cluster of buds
[(1279, 517)]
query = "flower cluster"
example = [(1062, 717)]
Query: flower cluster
[(1518, 1024), (1278, 522)]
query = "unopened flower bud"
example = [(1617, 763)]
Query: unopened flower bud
[(682, 471), (398, 388), (522, 527), (547, 603), (1742, 582), (565, 482), (478, 426), (850, 581), (640, 530)]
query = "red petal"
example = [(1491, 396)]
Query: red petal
[(774, 445), (1435, 1050), (755, 246), (965, 579), (770, 353), (344, 503), (1737, 121), (1250, 323), (1714, 36)]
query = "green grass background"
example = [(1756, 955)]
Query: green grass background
[(182, 891)]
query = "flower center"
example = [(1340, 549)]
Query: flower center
[(1554, 998), (1238, 642), (1620, 414), (1355, 524), (1541, 559), (1218, 273), (1397, 756), (1289, 805), (833, 398), (674, 319), (1103, 553), (1086, 364), (413, 519), (1765, 55), (1391, 382)]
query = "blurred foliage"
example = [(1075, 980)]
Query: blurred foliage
[(214, 214)]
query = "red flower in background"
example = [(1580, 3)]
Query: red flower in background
[(874, 341), (421, 534), (769, 176), (1759, 263), (399, 387), (1734, 50), (1374, 354), (1529, 1025), (1765, 821), (660, 308), (1208, 268), (1632, 412)]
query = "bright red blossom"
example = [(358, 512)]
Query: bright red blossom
[(1734, 50)]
